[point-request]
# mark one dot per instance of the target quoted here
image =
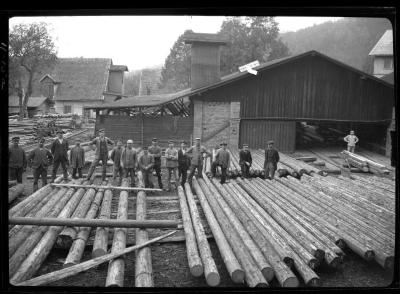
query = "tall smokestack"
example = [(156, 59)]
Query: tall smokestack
[(205, 65)]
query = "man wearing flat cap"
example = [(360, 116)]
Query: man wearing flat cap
[(222, 159), (39, 159), (245, 160), (196, 152), (271, 160), (59, 150), (129, 161), (156, 152), (171, 156), (16, 161), (101, 154)]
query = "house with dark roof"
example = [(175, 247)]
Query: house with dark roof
[(75, 82), (382, 53), (36, 105)]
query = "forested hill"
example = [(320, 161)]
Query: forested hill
[(348, 40)]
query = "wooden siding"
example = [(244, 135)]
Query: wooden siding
[(311, 88), (256, 133), (143, 129)]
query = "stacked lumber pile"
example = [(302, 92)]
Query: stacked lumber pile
[(363, 163)]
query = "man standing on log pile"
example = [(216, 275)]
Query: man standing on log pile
[(351, 141), (17, 161), (222, 159), (101, 154), (129, 161), (146, 163), (59, 149), (156, 152), (245, 160), (39, 159), (271, 160), (77, 159), (183, 163), (197, 152), (171, 156), (116, 158)]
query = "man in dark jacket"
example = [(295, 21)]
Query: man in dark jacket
[(183, 163), (245, 160), (129, 161), (271, 160), (17, 161), (59, 150), (39, 159), (116, 158), (77, 159), (156, 152), (196, 153), (101, 154), (222, 159)]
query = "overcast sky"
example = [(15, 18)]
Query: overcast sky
[(137, 41)]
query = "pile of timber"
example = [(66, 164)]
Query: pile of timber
[(364, 163)]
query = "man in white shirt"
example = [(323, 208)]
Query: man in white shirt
[(351, 141)]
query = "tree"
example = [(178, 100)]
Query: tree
[(31, 49)]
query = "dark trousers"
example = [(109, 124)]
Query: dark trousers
[(131, 172), (118, 171), (223, 171), (182, 170), (157, 168), (192, 169), (269, 170), (95, 162), (56, 165), (37, 173), (16, 174), (74, 170), (148, 183), (245, 170)]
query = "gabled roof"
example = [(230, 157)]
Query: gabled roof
[(13, 101), (119, 68), (384, 45), (47, 76)]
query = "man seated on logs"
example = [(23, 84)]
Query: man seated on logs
[(39, 159), (129, 161), (16, 161), (59, 150), (271, 160), (116, 158), (101, 154), (196, 153), (222, 159), (156, 152), (146, 163), (351, 141), (183, 163), (171, 156), (245, 160), (77, 159)]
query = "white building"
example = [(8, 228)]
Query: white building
[(383, 55)]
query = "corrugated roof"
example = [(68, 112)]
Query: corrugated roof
[(384, 45), (13, 101)]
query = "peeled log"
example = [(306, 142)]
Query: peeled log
[(210, 269), (194, 260), (15, 191), (116, 268)]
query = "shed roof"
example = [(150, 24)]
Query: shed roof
[(13, 101), (119, 68), (384, 45), (389, 78), (190, 38)]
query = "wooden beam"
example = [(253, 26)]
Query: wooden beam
[(106, 187)]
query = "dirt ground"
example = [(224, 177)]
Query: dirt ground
[(170, 266)]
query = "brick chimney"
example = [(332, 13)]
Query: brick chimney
[(205, 65)]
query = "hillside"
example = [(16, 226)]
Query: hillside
[(348, 40)]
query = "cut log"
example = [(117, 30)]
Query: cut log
[(107, 187), (307, 158)]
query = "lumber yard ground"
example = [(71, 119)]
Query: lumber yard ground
[(169, 259)]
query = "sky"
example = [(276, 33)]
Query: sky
[(136, 41)]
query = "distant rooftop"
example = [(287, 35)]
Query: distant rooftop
[(384, 45), (190, 38), (119, 68)]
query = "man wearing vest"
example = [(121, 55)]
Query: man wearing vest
[(39, 159), (245, 160), (156, 152), (77, 159), (59, 150), (146, 162), (183, 163), (271, 160), (129, 161), (222, 159), (16, 161), (101, 154), (196, 153), (351, 141), (171, 156)]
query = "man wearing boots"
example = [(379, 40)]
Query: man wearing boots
[(156, 152), (196, 153), (77, 159), (271, 160), (101, 154), (39, 159), (59, 150), (16, 161), (171, 156), (222, 159), (245, 160), (183, 163), (129, 161)]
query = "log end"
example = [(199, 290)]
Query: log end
[(369, 255), (314, 282), (213, 279), (261, 285), (314, 263), (290, 282), (237, 276), (288, 261), (268, 273), (197, 270), (98, 252), (64, 241)]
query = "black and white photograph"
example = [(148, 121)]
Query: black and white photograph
[(201, 151)]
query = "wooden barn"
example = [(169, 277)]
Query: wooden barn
[(242, 107)]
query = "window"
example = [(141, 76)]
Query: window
[(67, 109), (388, 63)]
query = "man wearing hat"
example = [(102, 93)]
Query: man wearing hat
[(59, 150), (183, 163), (146, 163), (245, 160), (129, 161), (39, 159), (196, 152), (271, 160), (222, 159), (77, 159), (101, 154), (16, 160), (171, 156), (156, 152)]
